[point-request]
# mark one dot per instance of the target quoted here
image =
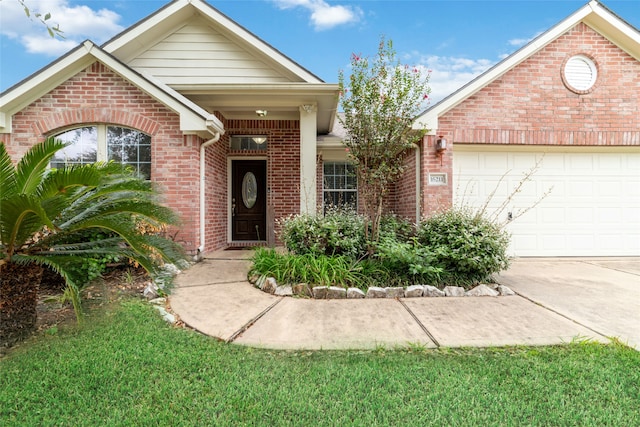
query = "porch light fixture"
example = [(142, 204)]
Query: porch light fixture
[(441, 145), (261, 113), (259, 139)]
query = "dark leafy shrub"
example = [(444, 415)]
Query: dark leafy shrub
[(392, 226), (90, 267), (337, 232), (408, 262), (468, 246)]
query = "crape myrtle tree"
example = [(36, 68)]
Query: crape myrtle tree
[(380, 100)]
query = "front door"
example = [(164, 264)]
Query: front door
[(249, 200)]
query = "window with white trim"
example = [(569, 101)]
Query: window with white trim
[(95, 143), (340, 185)]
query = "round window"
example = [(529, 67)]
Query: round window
[(580, 73)]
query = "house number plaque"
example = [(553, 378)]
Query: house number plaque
[(437, 179)]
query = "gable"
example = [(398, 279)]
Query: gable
[(194, 25), (198, 53), (193, 119), (534, 96)]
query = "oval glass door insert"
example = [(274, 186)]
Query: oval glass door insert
[(249, 190)]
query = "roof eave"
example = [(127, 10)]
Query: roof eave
[(193, 119)]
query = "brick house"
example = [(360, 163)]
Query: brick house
[(238, 135)]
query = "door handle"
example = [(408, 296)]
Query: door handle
[(233, 207)]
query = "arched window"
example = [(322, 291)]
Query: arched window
[(90, 144)]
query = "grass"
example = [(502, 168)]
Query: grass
[(127, 367)]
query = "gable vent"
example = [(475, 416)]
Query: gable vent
[(580, 73)]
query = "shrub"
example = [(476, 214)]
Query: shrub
[(90, 267), (408, 262), (337, 232), (317, 270), (392, 226), (468, 246)]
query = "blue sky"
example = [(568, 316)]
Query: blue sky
[(457, 40)]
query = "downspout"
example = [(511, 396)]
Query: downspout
[(418, 184), (204, 145)]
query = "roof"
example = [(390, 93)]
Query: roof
[(593, 14), (282, 99), (240, 99), (193, 118)]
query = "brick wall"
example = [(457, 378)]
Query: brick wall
[(98, 95), (216, 194), (435, 197), (403, 196), (531, 105)]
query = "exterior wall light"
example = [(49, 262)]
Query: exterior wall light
[(261, 113), (441, 147)]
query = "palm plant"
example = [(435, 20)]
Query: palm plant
[(45, 215)]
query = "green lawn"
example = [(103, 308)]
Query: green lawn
[(128, 368)]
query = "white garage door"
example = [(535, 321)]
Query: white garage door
[(592, 207)]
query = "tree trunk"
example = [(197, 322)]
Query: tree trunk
[(18, 301)]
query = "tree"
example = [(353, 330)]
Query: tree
[(45, 215), (380, 102)]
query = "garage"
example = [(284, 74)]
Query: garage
[(579, 201)]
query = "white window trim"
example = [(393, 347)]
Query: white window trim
[(101, 138), (334, 190)]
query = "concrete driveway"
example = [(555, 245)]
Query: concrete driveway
[(601, 294)]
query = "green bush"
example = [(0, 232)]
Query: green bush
[(87, 268), (457, 246), (337, 232), (408, 262), (392, 226), (468, 246), (316, 270)]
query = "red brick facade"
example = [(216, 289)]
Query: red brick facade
[(404, 193), (530, 105), (98, 95)]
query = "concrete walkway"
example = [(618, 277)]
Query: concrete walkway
[(215, 298)]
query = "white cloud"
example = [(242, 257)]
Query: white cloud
[(522, 42), (323, 15), (78, 22), (449, 74)]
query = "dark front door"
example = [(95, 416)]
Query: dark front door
[(249, 200)]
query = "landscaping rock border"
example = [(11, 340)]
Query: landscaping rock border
[(304, 290)]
